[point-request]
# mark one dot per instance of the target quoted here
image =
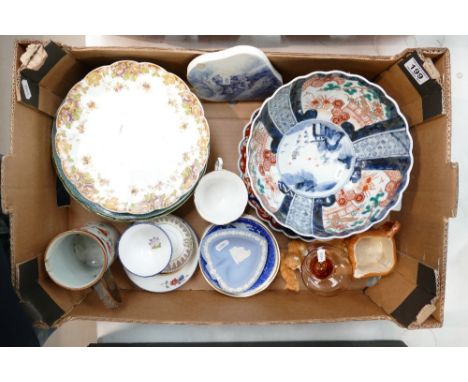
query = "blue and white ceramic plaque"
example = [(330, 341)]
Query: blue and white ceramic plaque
[(235, 258), (242, 73)]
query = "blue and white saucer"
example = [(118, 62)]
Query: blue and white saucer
[(235, 258), (248, 224)]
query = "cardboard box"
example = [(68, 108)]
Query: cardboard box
[(412, 296)]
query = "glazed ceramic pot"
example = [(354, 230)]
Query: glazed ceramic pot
[(329, 155), (374, 253), (79, 259)]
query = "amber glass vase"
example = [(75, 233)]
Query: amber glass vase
[(326, 270)]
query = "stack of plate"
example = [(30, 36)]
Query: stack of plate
[(327, 156), (130, 141), (239, 259)]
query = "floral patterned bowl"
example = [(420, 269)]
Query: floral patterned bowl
[(253, 201), (329, 155), (131, 139)]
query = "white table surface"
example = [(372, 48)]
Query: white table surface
[(455, 329)]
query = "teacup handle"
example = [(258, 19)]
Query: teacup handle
[(218, 164), (107, 291)]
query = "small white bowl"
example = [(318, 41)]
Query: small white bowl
[(221, 196), (145, 250)]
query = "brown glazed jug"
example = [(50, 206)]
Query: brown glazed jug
[(374, 253)]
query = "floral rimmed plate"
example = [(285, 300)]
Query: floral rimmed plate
[(131, 138), (329, 155), (115, 216), (170, 281), (180, 235), (250, 224)]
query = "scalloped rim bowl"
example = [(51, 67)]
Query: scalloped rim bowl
[(339, 212)]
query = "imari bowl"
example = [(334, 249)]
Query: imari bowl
[(329, 155), (130, 140), (253, 201)]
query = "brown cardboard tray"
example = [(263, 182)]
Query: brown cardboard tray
[(412, 296)]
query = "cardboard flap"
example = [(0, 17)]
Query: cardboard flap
[(211, 307), (40, 304), (46, 303), (38, 84), (409, 293), (417, 85), (5, 171)]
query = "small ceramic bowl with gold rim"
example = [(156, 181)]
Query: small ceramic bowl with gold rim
[(145, 249)]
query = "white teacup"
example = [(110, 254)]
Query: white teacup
[(221, 196)]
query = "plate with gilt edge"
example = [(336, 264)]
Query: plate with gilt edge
[(131, 138), (180, 235)]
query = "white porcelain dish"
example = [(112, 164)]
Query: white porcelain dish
[(180, 235), (130, 138), (163, 283)]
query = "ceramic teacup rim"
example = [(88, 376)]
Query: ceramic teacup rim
[(79, 232), (153, 226), (227, 173)]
